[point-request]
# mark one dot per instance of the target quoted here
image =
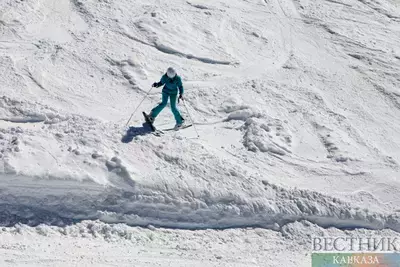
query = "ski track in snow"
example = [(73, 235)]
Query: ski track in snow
[(297, 104)]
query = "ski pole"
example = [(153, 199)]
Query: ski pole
[(139, 105), (187, 110)]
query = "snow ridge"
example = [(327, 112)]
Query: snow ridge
[(30, 204)]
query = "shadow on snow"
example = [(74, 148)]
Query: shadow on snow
[(133, 132)]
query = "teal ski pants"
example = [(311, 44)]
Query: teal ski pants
[(155, 111)]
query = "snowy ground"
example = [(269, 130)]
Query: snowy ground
[(297, 104), (99, 244)]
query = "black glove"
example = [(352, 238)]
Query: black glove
[(156, 84), (180, 97)]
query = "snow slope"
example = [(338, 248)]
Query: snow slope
[(297, 105)]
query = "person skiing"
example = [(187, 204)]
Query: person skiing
[(172, 85)]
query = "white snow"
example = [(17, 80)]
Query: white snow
[(296, 102)]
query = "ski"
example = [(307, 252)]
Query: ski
[(177, 129), (147, 119), (158, 132)]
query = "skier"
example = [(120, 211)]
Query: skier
[(172, 83)]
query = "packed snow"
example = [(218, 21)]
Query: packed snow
[(296, 112)]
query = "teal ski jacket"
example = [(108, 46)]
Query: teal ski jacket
[(171, 86)]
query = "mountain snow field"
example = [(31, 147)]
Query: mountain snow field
[(295, 106)]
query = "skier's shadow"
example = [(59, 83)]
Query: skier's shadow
[(132, 132)]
